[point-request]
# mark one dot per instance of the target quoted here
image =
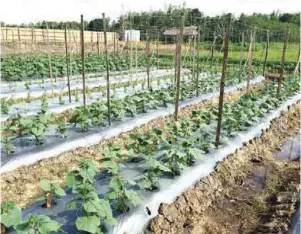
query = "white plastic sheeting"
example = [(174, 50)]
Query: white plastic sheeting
[(38, 92), (114, 131), (135, 222)]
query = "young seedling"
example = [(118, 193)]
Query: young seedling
[(61, 100), (44, 104), (150, 180), (81, 116), (4, 106), (95, 211), (6, 140), (39, 224), (62, 128), (50, 190), (119, 192), (10, 215), (76, 95)]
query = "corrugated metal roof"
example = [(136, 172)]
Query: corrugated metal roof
[(188, 31)]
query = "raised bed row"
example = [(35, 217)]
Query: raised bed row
[(158, 167)]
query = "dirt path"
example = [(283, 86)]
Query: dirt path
[(249, 192)]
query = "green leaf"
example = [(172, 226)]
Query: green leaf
[(10, 214), (106, 210), (46, 225), (58, 190), (133, 197), (45, 185), (88, 223), (93, 206), (73, 179)]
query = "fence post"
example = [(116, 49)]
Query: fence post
[(107, 67), (250, 59), (222, 83), (198, 62), (212, 50), (98, 43), (67, 63), (287, 31), (266, 53), (298, 62), (82, 40), (241, 53), (179, 68), (49, 59), (158, 37), (148, 58)]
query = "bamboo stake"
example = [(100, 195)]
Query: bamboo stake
[(83, 58), (197, 63), (179, 68), (98, 43), (148, 58), (241, 53), (287, 31), (107, 67), (193, 57), (49, 60), (266, 53), (158, 37), (298, 62), (222, 83), (212, 50), (250, 59), (67, 63)]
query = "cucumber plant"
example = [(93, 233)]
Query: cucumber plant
[(50, 190), (120, 193), (94, 211), (11, 215), (38, 224)]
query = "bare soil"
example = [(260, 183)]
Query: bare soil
[(251, 191)]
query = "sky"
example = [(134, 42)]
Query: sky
[(26, 11)]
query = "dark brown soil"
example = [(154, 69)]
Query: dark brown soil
[(249, 192)]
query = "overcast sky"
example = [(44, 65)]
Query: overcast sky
[(25, 11)]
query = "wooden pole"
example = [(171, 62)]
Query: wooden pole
[(177, 98), (67, 63), (158, 37), (193, 57), (49, 59), (114, 38), (222, 83), (198, 63), (287, 31), (148, 58), (82, 40), (212, 50), (107, 67), (241, 53), (266, 53), (250, 59), (298, 62), (98, 43)]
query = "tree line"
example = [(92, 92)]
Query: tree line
[(158, 21)]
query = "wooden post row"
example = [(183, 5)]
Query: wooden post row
[(178, 74), (222, 83), (287, 31), (82, 40), (67, 63), (107, 67)]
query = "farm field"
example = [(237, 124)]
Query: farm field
[(192, 127)]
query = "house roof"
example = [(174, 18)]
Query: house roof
[(188, 31)]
